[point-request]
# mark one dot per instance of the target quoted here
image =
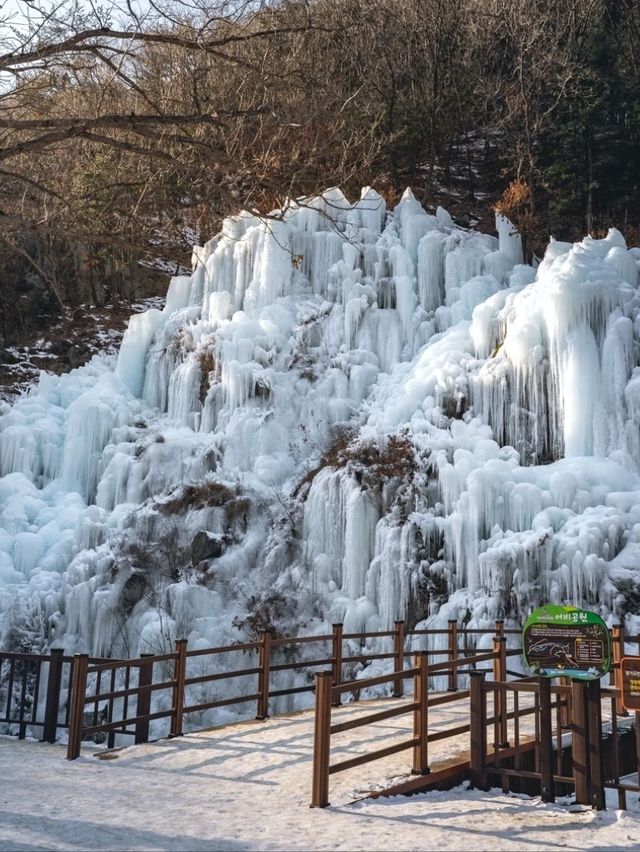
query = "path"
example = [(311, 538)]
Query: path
[(247, 786)]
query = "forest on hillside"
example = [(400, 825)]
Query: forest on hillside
[(128, 131)]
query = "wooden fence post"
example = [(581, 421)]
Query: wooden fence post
[(637, 727), (565, 709), (52, 705), (421, 715), (265, 676), (453, 653), (143, 698), (478, 734), (617, 647), (545, 746), (321, 741), (500, 704), (398, 658), (594, 728), (179, 677), (579, 745), (336, 656), (22, 725), (76, 715)]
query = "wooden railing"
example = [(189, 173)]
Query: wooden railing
[(566, 738), (33, 690), (83, 726), (623, 735), (327, 693), (518, 728), (503, 754), (37, 692), (113, 698)]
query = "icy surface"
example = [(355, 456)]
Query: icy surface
[(345, 413)]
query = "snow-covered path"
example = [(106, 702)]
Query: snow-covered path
[(247, 787)]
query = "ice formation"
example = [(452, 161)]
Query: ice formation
[(345, 413)]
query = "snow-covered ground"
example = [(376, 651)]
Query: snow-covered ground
[(247, 786)]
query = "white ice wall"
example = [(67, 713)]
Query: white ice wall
[(518, 391)]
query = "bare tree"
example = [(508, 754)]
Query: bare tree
[(121, 130)]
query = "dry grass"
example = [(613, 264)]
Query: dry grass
[(207, 366), (373, 464), (203, 494)]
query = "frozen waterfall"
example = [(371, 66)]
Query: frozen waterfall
[(345, 413)]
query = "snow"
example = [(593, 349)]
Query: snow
[(380, 415), (248, 786)]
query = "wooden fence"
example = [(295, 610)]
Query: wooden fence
[(32, 686), (519, 729), (328, 693), (100, 699), (526, 729), (577, 743)]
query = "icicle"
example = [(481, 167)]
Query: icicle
[(372, 209), (133, 351), (431, 271)]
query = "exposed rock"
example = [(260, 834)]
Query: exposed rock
[(206, 545)]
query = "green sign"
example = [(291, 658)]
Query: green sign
[(563, 641)]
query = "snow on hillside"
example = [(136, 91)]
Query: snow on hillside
[(73, 339), (344, 413)]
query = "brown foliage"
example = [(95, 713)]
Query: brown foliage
[(203, 494), (264, 614), (516, 203), (371, 463), (207, 366)]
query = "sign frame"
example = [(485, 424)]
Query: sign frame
[(630, 697), (565, 641)]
